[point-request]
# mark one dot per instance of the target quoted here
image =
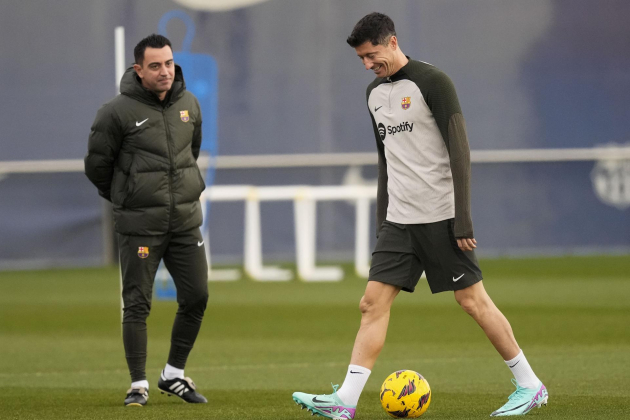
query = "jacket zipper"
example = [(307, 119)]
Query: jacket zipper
[(171, 169)]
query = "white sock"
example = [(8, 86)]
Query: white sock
[(140, 384), (522, 371), (171, 372), (353, 385)]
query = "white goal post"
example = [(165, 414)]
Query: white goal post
[(304, 200)]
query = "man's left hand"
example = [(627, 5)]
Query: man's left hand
[(466, 244)]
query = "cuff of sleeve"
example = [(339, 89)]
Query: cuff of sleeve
[(463, 229)]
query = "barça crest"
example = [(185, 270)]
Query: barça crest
[(143, 251), (184, 115), (406, 102)]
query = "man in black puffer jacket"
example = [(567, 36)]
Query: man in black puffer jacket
[(142, 156)]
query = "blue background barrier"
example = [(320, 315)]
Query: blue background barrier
[(544, 74)]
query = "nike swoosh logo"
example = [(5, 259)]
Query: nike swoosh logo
[(514, 364), (315, 400), (376, 109), (510, 410), (199, 243), (455, 279), (138, 124), (360, 373)]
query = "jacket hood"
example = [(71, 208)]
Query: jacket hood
[(131, 85)]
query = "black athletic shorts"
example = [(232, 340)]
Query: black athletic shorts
[(403, 252)]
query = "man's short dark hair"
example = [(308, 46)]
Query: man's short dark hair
[(152, 41), (375, 27)]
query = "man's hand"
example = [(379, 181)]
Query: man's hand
[(467, 244)]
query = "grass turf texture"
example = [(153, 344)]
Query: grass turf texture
[(62, 355)]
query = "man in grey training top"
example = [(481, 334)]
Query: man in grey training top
[(423, 216), (142, 154)]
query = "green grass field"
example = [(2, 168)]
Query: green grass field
[(61, 354)]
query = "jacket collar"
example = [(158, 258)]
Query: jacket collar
[(131, 85)]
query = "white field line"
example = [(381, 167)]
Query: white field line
[(220, 368), (193, 369)]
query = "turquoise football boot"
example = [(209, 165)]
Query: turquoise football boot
[(523, 400), (329, 405)]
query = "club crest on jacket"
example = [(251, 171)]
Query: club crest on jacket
[(184, 115)]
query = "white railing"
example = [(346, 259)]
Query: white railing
[(341, 159), (304, 204)]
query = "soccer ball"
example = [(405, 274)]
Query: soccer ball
[(405, 394)]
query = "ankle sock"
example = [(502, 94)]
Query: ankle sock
[(353, 385), (522, 371), (140, 384), (171, 372)]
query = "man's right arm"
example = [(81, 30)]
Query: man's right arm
[(382, 197), (103, 146), (196, 140)]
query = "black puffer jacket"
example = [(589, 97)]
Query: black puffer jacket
[(142, 157)]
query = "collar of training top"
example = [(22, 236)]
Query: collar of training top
[(400, 74)]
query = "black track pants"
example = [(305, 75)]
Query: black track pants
[(184, 257)]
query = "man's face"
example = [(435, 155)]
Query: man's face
[(157, 70), (378, 58)]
